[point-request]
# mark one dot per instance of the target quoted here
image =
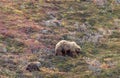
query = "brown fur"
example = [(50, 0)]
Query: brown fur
[(68, 48)]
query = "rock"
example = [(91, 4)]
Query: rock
[(34, 66), (117, 1), (52, 22), (51, 15), (44, 31)]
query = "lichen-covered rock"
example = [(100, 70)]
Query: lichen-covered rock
[(68, 48), (52, 22)]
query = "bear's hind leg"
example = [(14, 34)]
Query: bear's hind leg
[(63, 52)]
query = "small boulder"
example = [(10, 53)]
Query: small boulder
[(52, 22)]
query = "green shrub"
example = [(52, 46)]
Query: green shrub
[(115, 35)]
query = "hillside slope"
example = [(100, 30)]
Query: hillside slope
[(29, 31)]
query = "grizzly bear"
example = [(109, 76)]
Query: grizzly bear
[(68, 48)]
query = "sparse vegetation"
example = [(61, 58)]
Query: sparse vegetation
[(30, 29)]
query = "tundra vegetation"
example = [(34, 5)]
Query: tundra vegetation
[(30, 29)]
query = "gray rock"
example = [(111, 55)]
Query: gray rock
[(44, 31), (52, 22), (117, 1)]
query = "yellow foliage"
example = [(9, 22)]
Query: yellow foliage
[(51, 71), (17, 11), (64, 23), (105, 66)]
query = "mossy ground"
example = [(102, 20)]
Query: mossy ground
[(20, 32)]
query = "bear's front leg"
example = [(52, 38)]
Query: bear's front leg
[(74, 54)]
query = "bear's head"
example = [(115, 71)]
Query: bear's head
[(76, 49)]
